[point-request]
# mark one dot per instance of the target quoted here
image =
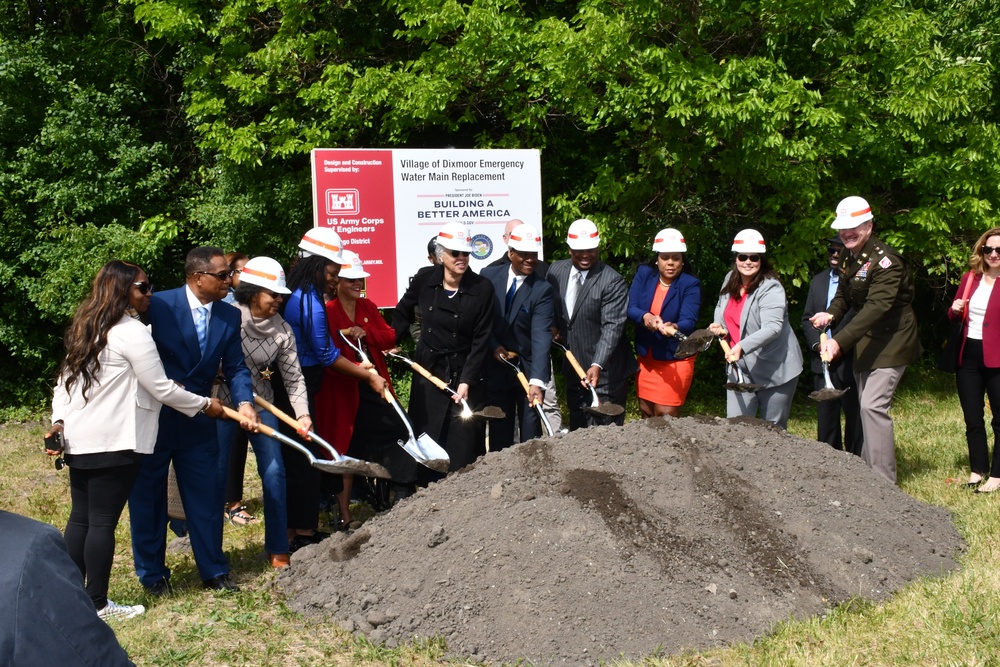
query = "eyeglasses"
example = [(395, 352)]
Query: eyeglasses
[(752, 258), (988, 250), (221, 275), (459, 253), (833, 250), (145, 287)]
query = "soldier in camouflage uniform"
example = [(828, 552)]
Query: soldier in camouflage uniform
[(878, 285)]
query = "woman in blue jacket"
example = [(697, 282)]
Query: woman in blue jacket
[(664, 296)]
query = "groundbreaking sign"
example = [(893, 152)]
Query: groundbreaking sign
[(387, 204)]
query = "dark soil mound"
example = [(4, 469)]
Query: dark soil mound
[(610, 542)]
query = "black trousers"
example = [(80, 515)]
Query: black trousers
[(828, 417), (975, 381), (303, 481), (98, 496)]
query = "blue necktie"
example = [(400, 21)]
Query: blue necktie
[(201, 327), (510, 295)]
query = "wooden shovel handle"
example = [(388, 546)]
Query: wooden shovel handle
[(524, 381), (237, 417), (436, 381), (725, 346), (280, 414), (822, 343), (576, 365)]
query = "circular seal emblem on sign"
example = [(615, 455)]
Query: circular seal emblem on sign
[(482, 246)]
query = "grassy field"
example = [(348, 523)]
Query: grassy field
[(953, 620)]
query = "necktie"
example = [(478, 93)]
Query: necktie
[(510, 295), (201, 327), (575, 280)]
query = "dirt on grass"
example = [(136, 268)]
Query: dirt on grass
[(611, 542)]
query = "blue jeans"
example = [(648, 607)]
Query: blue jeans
[(271, 468)]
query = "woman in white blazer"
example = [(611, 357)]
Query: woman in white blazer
[(752, 314), (106, 406)]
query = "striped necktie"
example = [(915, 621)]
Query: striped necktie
[(201, 327)]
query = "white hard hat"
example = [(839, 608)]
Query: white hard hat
[(669, 240), (324, 242), (851, 212), (749, 241), (583, 235), (265, 272), (351, 267), (454, 236), (525, 238)]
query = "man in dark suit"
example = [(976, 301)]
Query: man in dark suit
[(592, 305), (522, 323), (194, 332), (50, 619), (822, 289)]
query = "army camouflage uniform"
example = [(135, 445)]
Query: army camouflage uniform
[(878, 285)]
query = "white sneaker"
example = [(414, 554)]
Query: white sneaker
[(112, 610)]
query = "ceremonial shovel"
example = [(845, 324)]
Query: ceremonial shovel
[(605, 409), (829, 392), (422, 449), (744, 384), (698, 341), (537, 405), (490, 411), (340, 465)]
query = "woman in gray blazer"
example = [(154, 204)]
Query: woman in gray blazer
[(752, 315)]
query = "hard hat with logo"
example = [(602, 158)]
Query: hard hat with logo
[(583, 235), (351, 267), (265, 272), (454, 236), (851, 212), (324, 242), (669, 240), (749, 241), (525, 238)]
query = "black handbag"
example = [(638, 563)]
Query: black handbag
[(948, 362)]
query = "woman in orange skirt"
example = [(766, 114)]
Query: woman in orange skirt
[(663, 294)]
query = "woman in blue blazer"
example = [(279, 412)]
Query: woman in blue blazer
[(664, 294)]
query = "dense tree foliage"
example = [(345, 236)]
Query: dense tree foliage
[(140, 128)]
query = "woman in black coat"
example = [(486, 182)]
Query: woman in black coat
[(456, 308)]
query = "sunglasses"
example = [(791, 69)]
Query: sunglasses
[(352, 280), (145, 287), (459, 253), (221, 275), (833, 250), (988, 250), (752, 258)]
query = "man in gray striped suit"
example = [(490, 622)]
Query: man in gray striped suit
[(590, 320)]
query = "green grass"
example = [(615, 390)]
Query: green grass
[(953, 620)]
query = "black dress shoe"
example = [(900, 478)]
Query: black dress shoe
[(220, 583), (160, 589)]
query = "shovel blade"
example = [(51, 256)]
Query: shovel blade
[(428, 453), (491, 412), (351, 466), (699, 341), (606, 409), (827, 394)]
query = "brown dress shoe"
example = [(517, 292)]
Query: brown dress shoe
[(278, 561)]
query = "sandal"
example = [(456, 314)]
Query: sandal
[(239, 516)]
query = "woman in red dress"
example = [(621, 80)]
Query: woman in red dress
[(352, 417)]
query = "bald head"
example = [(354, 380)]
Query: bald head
[(508, 228)]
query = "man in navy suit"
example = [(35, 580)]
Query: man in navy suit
[(194, 332), (522, 323), (822, 289)]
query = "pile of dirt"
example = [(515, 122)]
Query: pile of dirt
[(611, 542)]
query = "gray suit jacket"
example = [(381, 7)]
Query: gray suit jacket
[(770, 351), (596, 331)]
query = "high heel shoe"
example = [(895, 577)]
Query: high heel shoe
[(278, 561), (990, 485), (975, 479)]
